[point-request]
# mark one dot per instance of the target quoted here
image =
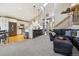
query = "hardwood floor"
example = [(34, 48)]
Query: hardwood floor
[(15, 39), (40, 46)]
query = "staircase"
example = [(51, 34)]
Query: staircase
[(64, 24)]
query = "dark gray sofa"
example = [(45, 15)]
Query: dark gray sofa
[(63, 46)]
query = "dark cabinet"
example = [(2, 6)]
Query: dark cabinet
[(37, 33)]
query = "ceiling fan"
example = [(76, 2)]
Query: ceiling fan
[(68, 10)]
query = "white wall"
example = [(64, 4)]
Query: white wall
[(4, 23), (67, 23), (58, 8)]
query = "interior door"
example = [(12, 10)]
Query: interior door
[(12, 29)]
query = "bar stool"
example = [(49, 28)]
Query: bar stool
[(2, 38)]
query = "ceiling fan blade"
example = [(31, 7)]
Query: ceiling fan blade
[(64, 12), (67, 11)]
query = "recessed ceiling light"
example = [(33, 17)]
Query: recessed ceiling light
[(45, 4)]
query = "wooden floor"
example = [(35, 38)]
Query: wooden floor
[(17, 38)]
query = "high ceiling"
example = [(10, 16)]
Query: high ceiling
[(24, 11)]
